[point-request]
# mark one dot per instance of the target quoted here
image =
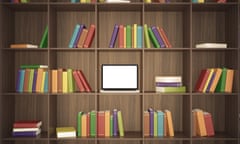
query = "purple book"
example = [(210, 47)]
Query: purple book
[(158, 37), (115, 122), (114, 36), (210, 82), (34, 80), (25, 134), (168, 84), (82, 26), (151, 121)]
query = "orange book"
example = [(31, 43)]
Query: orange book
[(165, 129), (146, 123), (170, 130), (165, 38), (84, 81), (194, 124), (218, 73), (209, 124), (201, 129), (229, 80), (84, 125), (88, 124), (39, 80), (26, 80), (121, 36), (89, 37), (124, 37), (107, 123), (23, 46), (100, 123), (82, 38), (78, 81), (54, 78), (60, 80)]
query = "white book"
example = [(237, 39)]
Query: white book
[(168, 79), (25, 129), (211, 45)]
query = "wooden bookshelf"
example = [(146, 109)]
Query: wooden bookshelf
[(186, 24)]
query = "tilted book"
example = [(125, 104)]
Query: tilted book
[(114, 36), (158, 37), (20, 80), (146, 36), (89, 38), (44, 40), (120, 123), (74, 36)]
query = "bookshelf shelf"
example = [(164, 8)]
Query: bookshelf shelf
[(185, 23)]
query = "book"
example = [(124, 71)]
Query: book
[(31, 76), (211, 80), (79, 124), (27, 124), (165, 38), (65, 82), (222, 81), (23, 46), (24, 1), (20, 80), (211, 45), (44, 40), (39, 79), (120, 123), (54, 81), (121, 36), (74, 36), (26, 133), (170, 129), (160, 123), (208, 79), (107, 123), (201, 129), (202, 78), (89, 37), (111, 125), (218, 73), (25, 129), (93, 123), (117, 1), (70, 80), (84, 125), (151, 121), (115, 122), (155, 123), (60, 80), (158, 37), (84, 81), (139, 36), (146, 123), (168, 84), (46, 82), (229, 80), (34, 80), (101, 123), (181, 89), (168, 79), (82, 38), (43, 81), (134, 36), (75, 44), (128, 36), (65, 132), (114, 36), (78, 81), (208, 124), (153, 38), (146, 36), (33, 66)]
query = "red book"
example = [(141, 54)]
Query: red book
[(84, 81), (121, 36), (202, 80), (165, 39), (78, 81), (101, 123), (27, 124), (209, 124), (88, 124), (90, 36)]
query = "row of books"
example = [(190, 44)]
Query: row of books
[(26, 128), (82, 37), (83, 1), (169, 84), (157, 1), (215, 80), (100, 123), (158, 123), (202, 123)]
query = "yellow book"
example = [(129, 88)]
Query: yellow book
[(43, 81), (155, 127), (134, 35), (218, 72), (83, 1), (64, 132), (120, 123), (39, 79), (84, 125), (147, 1), (124, 37), (65, 82), (200, 1), (201, 129), (170, 130), (229, 80), (54, 81), (107, 123), (208, 79)]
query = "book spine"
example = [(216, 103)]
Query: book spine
[(74, 36), (44, 40), (54, 81), (114, 36), (146, 37), (167, 43), (43, 81), (84, 125), (158, 37), (120, 123), (84, 81), (134, 35), (139, 36), (34, 80), (101, 123), (89, 37), (155, 124), (78, 81), (146, 123), (20, 80), (160, 123), (151, 121), (60, 80), (222, 81), (70, 80), (168, 84), (79, 124), (115, 122), (46, 82), (39, 80), (128, 36), (107, 123), (27, 134), (75, 45), (65, 82), (82, 38), (121, 36), (153, 38), (111, 125), (93, 121), (30, 84)]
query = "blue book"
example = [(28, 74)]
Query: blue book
[(160, 118), (20, 80), (34, 80), (114, 36), (158, 37), (139, 36), (74, 1), (82, 26), (211, 81), (151, 121), (26, 134), (74, 36), (46, 82)]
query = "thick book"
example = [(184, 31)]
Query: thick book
[(153, 38), (79, 124), (121, 36), (170, 128), (82, 38), (201, 128), (89, 38), (229, 80), (20, 80), (146, 123), (120, 123), (26, 133), (202, 78), (78, 81), (23, 46), (101, 123), (209, 124), (128, 36), (158, 37), (74, 36), (114, 36), (84, 81), (181, 89), (146, 36), (84, 125), (93, 123), (44, 40), (27, 124), (222, 81), (65, 132)]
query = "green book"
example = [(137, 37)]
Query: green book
[(79, 123), (33, 66), (128, 36), (153, 38), (30, 84), (120, 123), (93, 123), (111, 125), (24, 1), (181, 89), (146, 37), (44, 41), (70, 80), (222, 81), (155, 124)]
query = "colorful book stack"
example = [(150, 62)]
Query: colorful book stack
[(157, 36), (32, 78), (158, 123), (27, 128), (129, 36), (202, 123), (64, 80), (215, 80), (169, 84), (82, 37), (66, 132), (100, 123)]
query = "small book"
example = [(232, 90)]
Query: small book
[(211, 45), (170, 129), (101, 123), (121, 36), (128, 36), (84, 81), (158, 37), (209, 124), (93, 123), (65, 132), (146, 123), (153, 38), (23, 46), (27, 124)]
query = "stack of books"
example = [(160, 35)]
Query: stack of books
[(66, 132), (32, 78), (28, 128), (202, 123), (169, 84), (158, 123), (100, 123), (215, 80), (82, 37)]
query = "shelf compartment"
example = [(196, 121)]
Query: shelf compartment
[(213, 141), (168, 141)]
